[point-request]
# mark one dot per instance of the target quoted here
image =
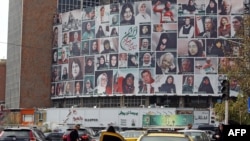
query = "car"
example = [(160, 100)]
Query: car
[(54, 136), (164, 136), (111, 136), (46, 133), (132, 135), (210, 133), (86, 134), (196, 135), (22, 134), (204, 127), (117, 129)]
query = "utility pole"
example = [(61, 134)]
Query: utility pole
[(226, 112), (225, 90), (81, 5)]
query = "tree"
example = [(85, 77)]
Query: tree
[(237, 110), (241, 72)]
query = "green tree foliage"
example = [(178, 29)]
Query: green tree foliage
[(238, 110)]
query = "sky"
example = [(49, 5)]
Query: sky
[(4, 11)]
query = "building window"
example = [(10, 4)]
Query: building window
[(40, 116), (28, 118)]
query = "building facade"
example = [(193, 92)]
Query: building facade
[(144, 53), (29, 47), (2, 79), (119, 53)]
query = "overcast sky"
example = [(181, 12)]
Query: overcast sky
[(4, 10)]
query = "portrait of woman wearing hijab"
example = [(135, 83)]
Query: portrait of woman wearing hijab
[(217, 48), (65, 39), (211, 7), (75, 43), (145, 30), (54, 54), (55, 37), (65, 73), (168, 86), (114, 32), (94, 47), (89, 68), (127, 14), (88, 87), (107, 47), (132, 61), (205, 86), (114, 8), (195, 49), (188, 84), (114, 20), (102, 63), (100, 33), (113, 63), (102, 86), (142, 15), (190, 8), (163, 43), (88, 31)]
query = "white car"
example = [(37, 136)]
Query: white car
[(196, 135)]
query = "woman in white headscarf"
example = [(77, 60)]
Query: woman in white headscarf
[(102, 84), (142, 16)]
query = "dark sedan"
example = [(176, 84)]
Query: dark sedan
[(54, 136)]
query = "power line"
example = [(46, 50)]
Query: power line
[(21, 45)]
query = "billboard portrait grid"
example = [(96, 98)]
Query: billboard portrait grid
[(146, 47)]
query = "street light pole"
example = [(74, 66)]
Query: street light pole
[(240, 117), (226, 111), (225, 90)]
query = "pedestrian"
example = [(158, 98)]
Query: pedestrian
[(74, 136), (218, 136), (111, 129), (189, 126)]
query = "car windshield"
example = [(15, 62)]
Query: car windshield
[(80, 131), (197, 135), (117, 128), (131, 134), (163, 138), (18, 133), (193, 133)]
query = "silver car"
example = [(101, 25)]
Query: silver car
[(196, 135)]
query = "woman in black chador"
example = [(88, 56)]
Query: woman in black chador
[(211, 7), (205, 86), (89, 68), (100, 33), (163, 42), (217, 48)]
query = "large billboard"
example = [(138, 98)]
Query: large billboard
[(158, 47)]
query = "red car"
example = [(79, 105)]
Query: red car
[(85, 134)]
